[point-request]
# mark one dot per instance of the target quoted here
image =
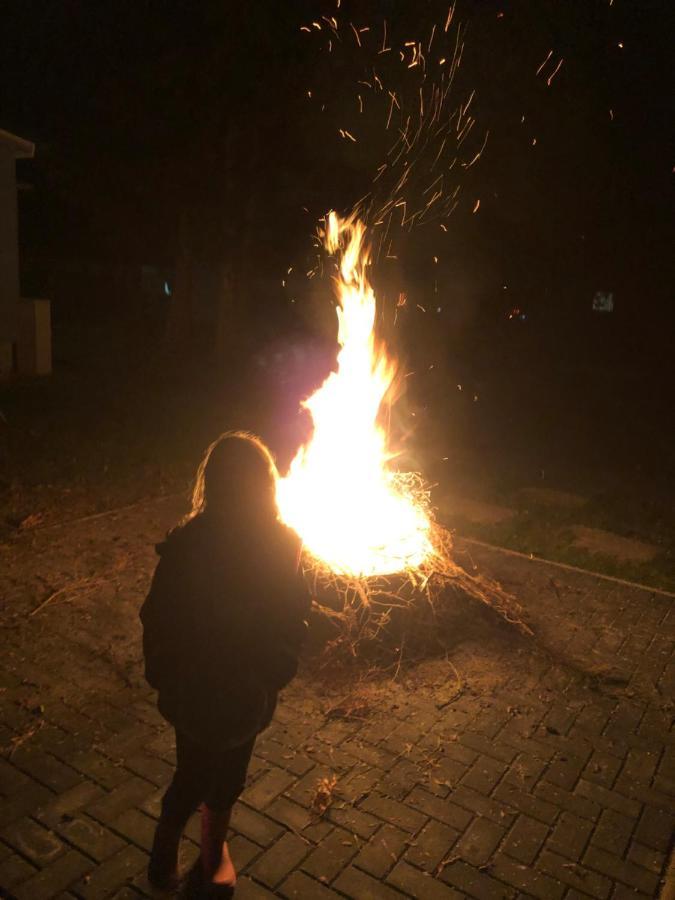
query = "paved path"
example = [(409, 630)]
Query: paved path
[(511, 767)]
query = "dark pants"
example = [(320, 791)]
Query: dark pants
[(203, 775)]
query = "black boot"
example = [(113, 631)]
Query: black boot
[(163, 865)]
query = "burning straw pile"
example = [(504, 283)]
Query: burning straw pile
[(407, 613), (378, 562)]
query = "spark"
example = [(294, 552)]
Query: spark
[(477, 206), (431, 39), (356, 34), (384, 48), (346, 134), (480, 152), (391, 108), (550, 54), (554, 72), (448, 21), (360, 103)]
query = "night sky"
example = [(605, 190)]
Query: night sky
[(146, 112)]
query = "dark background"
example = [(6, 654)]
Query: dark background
[(176, 145)]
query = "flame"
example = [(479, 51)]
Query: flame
[(353, 511)]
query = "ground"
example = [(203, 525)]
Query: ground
[(508, 766)]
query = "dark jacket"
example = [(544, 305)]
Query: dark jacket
[(223, 625)]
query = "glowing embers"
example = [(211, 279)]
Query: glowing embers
[(353, 511)]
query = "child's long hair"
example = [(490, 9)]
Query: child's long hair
[(237, 470)]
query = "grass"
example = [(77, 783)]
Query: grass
[(546, 532)]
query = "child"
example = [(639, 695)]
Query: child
[(222, 629)]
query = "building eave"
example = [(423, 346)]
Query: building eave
[(20, 147)]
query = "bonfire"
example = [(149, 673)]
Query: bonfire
[(371, 542)]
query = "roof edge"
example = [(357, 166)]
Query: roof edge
[(21, 148)]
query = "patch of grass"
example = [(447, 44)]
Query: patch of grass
[(547, 532)]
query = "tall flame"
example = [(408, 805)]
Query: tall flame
[(353, 511)]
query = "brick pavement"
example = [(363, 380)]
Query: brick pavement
[(548, 771)]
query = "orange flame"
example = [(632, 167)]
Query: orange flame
[(353, 511)]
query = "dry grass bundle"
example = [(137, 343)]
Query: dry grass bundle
[(403, 614)]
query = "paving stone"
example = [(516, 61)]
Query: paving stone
[(358, 783), (432, 845), (647, 857), (24, 803), (608, 799), (525, 839), (621, 892), (477, 884), (570, 836), (612, 832), (523, 801), (577, 803), (294, 816), (564, 771), (580, 877), (274, 782), (46, 769), (40, 845), (284, 758), (498, 750), (443, 810), (112, 874), (250, 890), (413, 883), (655, 828), (382, 851), (277, 862), (242, 851), (12, 780), (478, 804), (53, 879), (479, 841), (68, 802), (621, 870), (374, 756), (526, 878), (484, 775), (305, 888), (99, 769), (90, 837), (136, 827), (360, 886), (332, 855), (14, 869), (151, 768), (525, 771), (397, 783), (394, 813), (130, 793), (355, 820), (602, 768), (254, 825)]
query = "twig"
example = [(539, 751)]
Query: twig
[(71, 586)]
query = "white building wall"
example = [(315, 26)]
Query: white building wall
[(9, 248)]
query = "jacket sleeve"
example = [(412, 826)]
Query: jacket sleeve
[(156, 618), (284, 633)]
